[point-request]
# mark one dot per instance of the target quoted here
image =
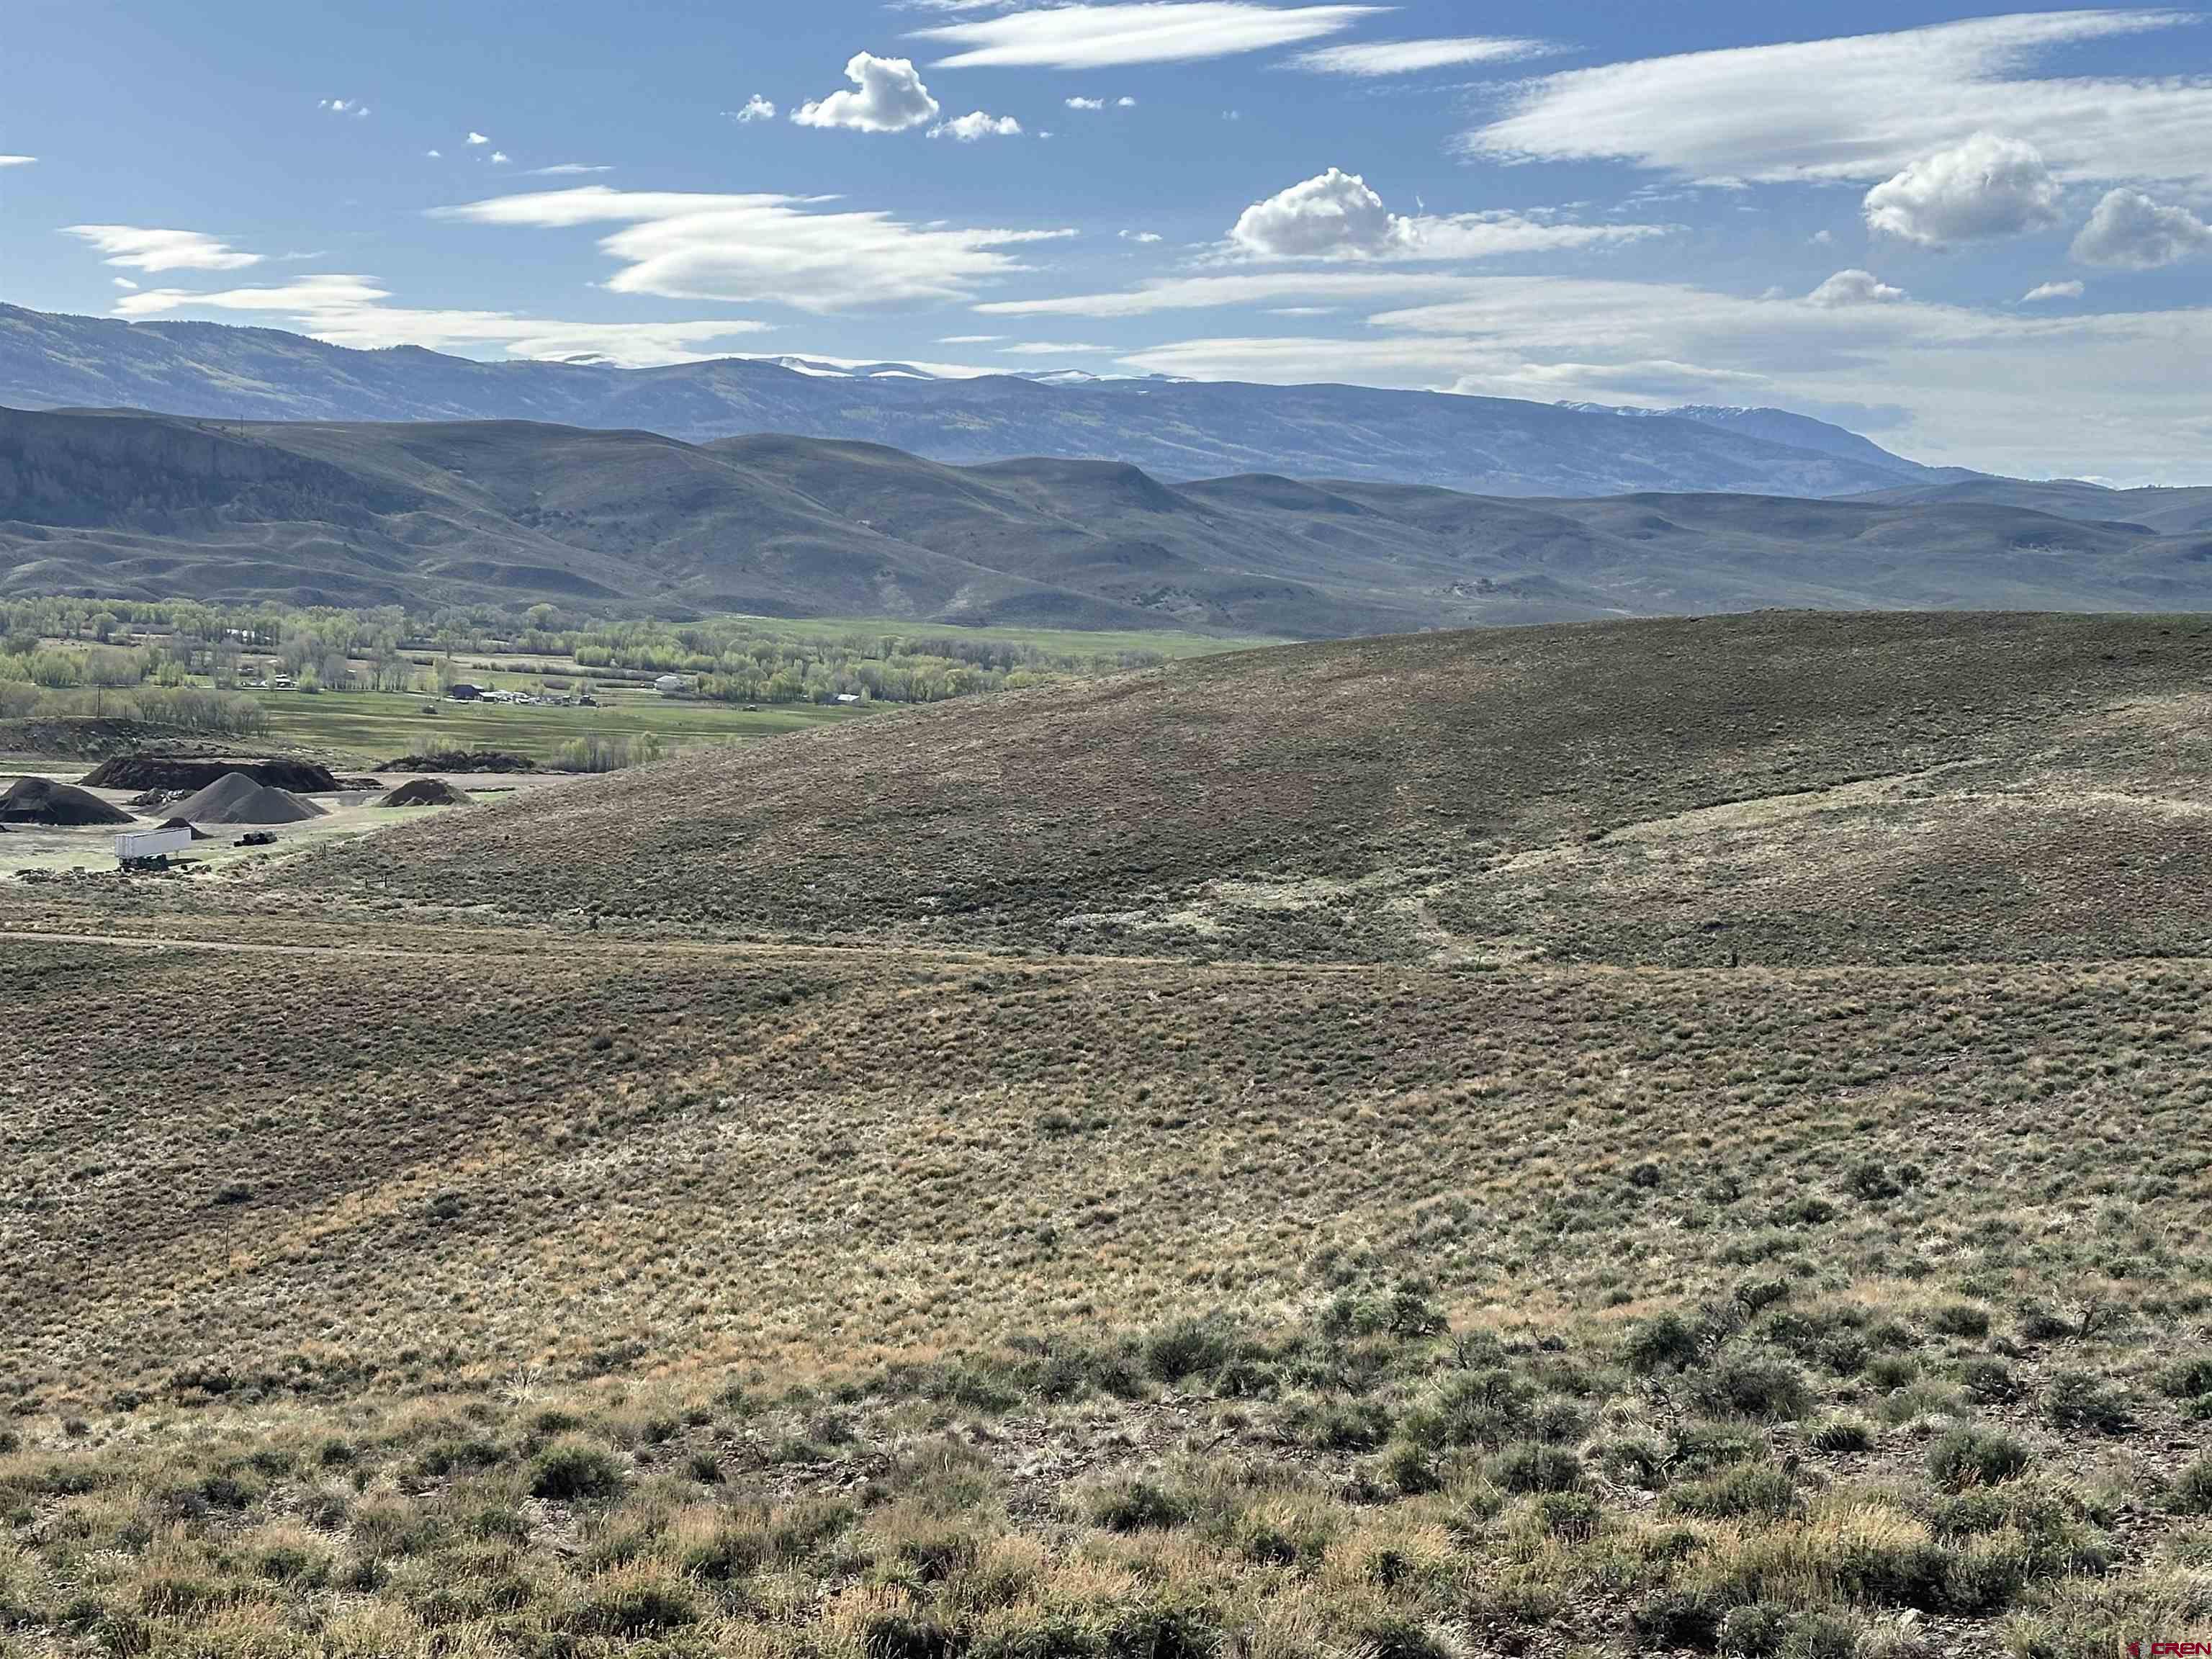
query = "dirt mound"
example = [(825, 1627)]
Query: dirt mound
[(90, 737), (461, 760), (142, 770), (1778, 788), (426, 791), (238, 799), (40, 801), (198, 833)]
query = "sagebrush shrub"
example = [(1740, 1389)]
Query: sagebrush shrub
[(573, 1470), (1531, 1466), (2079, 1399), (1749, 1489), (2192, 1489), (1840, 1434), (1973, 1456), (1665, 1342)]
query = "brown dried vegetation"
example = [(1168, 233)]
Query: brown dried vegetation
[(447, 1288)]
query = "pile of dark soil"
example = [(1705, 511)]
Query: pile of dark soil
[(198, 833), (426, 791), (89, 737), (40, 801), (461, 760), (144, 770), (238, 799)]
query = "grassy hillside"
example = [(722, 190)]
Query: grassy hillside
[(2172, 510), (126, 506), (469, 1243), (1782, 788)]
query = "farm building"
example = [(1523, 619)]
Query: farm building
[(462, 691), (672, 685)]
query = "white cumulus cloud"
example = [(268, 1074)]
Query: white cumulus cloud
[(352, 106), (478, 138), (1855, 288), (1337, 216), (136, 247), (686, 245), (1086, 103), (1373, 57), (2129, 231), (756, 108), (1987, 186), (886, 96), (2051, 291), (1079, 37), (975, 124)]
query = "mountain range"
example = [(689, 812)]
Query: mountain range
[(125, 504), (1175, 429)]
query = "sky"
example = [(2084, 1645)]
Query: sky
[(1982, 238)]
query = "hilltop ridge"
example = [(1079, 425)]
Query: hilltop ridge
[(127, 505), (1173, 428), (1787, 789)]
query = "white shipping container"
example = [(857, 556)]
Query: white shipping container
[(152, 844)]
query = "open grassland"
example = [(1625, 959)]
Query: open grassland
[(364, 727), (595, 1297), (476, 1244), (1780, 788)]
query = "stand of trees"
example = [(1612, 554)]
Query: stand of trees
[(747, 659)]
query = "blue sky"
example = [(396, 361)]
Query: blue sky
[(1841, 211)]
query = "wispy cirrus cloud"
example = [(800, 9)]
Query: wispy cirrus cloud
[(351, 311), (1864, 108), (1226, 292), (781, 249), (1976, 382), (1078, 37), (139, 247), (17, 160), (1380, 58)]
